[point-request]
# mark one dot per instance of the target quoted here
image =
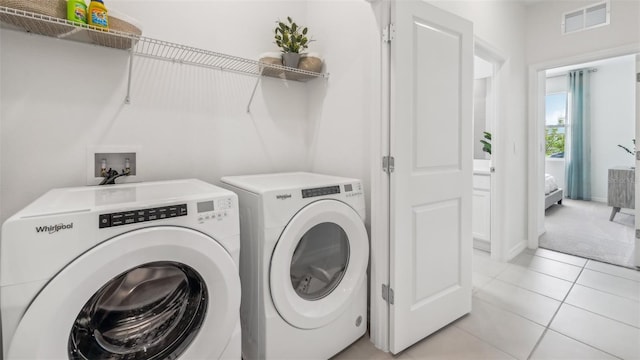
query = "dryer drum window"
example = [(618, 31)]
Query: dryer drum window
[(152, 311), (319, 261)]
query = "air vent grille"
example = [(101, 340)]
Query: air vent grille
[(586, 18)]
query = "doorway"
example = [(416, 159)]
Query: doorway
[(486, 131), (573, 223)]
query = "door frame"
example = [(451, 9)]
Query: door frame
[(535, 129), (488, 52)]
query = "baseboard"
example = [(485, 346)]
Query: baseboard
[(516, 250)]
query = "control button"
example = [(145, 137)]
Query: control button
[(117, 222), (140, 219), (116, 216), (105, 221), (200, 219), (163, 215), (129, 220), (224, 214), (153, 217), (182, 210), (173, 213)]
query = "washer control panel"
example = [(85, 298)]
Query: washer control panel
[(141, 215), (327, 190), (217, 209)]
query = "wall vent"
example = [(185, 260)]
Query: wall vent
[(585, 18)]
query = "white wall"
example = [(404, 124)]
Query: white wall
[(59, 97), (500, 24), (612, 120), (343, 110), (545, 41)]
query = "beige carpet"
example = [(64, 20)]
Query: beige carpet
[(583, 228)]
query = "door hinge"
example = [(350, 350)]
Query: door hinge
[(389, 33), (637, 77), (637, 233), (388, 164), (387, 294), (637, 155)]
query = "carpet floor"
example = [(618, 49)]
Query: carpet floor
[(583, 228)]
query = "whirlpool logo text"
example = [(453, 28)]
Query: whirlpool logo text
[(54, 228)]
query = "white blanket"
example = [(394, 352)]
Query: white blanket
[(549, 184)]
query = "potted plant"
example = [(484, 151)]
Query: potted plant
[(629, 150), (292, 39), (486, 144)]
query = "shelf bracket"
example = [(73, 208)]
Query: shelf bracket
[(253, 93), (127, 99)]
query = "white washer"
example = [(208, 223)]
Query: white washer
[(303, 263), (125, 271)]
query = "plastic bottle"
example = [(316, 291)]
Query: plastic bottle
[(77, 11), (98, 14)]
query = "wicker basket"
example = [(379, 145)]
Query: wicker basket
[(271, 58), (52, 8), (116, 41), (310, 62)]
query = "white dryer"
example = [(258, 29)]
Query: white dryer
[(303, 263), (134, 271)]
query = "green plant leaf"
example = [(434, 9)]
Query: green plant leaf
[(304, 31), (294, 27), (290, 21)]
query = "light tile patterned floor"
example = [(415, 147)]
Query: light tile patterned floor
[(541, 305)]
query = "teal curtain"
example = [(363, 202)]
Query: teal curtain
[(578, 144)]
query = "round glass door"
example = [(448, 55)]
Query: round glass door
[(152, 311), (318, 264), (319, 261)]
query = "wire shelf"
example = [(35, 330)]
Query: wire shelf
[(147, 47)]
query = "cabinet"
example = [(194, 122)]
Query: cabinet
[(621, 189), (147, 47), (481, 210)]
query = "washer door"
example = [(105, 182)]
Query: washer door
[(319, 262), (156, 293)]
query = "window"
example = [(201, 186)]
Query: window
[(555, 124), (586, 18)]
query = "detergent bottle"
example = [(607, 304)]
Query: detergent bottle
[(77, 11), (98, 14)]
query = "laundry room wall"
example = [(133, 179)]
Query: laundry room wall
[(59, 98), (343, 109), (499, 24)]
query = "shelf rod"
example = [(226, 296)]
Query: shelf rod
[(253, 93), (127, 99)]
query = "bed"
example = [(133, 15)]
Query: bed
[(552, 193)]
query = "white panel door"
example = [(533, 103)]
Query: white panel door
[(431, 188)]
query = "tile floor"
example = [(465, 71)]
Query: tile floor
[(541, 305)]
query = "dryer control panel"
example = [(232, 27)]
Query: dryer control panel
[(141, 215), (214, 209)]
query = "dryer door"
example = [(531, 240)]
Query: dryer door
[(156, 293), (318, 264)]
